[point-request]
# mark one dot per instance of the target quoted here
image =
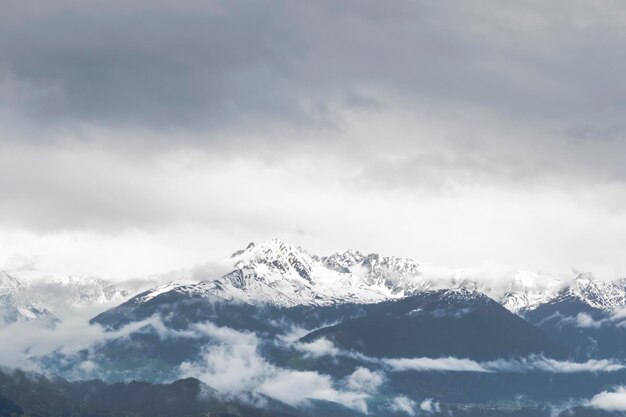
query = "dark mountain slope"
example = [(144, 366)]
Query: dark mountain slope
[(42, 397), (180, 309), (456, 323), (9, 409), (589, 332)]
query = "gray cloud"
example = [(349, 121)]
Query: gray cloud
[(184, 64), (506, 87), (234, 119), (162, 64)]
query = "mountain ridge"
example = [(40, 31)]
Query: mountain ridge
[(275, 272), (54, 298)]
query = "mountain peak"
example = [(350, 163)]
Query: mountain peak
[(585, 277), (241, 251), (15, 304), (279, 273), (274, 260), (464, 294), (9, 285), (271, 247)]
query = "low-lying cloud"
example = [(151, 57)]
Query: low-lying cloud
[(541, 364), (587, 321), (26, 342), (430, 406), (234, 366), (533, 363), (318, 348), (403, 404), (433, 364), (614, 400)]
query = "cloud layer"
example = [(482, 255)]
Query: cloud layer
[(233, 63), (470, 133)]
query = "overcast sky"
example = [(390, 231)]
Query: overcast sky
[(142, 136)]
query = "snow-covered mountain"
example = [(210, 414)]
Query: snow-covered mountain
[(529, 292), (83, 290), (398, 276), (597, 294), (56, 297), (277, 273), (15, 304), (65, 294), (280, 274)]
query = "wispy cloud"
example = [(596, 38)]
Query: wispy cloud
[(533, 363), (542, 364), (530, 364), (434, 364)]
